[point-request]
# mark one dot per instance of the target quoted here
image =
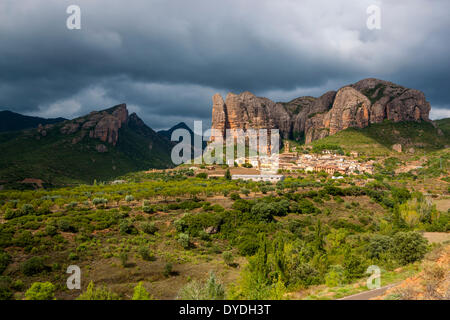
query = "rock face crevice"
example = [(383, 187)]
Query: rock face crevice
[(357, 105)]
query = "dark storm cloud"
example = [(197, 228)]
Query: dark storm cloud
[(166, 58)]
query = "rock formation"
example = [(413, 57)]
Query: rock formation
[(358, 105), (103, 125)]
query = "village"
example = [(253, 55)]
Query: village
[(288, 161), (274, 167)]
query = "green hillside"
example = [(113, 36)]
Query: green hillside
[(378, 139), (56, 160)]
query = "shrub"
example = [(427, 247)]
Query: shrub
[(99, 201), (235, 196), (126, 227), (18, 285), (66, 226), (149, 228), (248, 245), (183, 239), (146, 254), (27, 209), (228, 258), (5, 260), (33, 266), (148, 209), (73, 256), (378, 246), (202, 175), (140, 293), (51, 230), (5, 288), (129, 198), (354, 267), (123, 256), (41, 291), (93, 293), (168, 269), (409, 247), (335, 277)]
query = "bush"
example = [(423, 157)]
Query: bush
[(66, 226), (93, 293), (33, 266), (41, 291), (354, 267), (248, 245), (183, 239), (140, 293), (149, 228), (126, 227), (148, 209), (378, 246), (235, 196), (51, 230), (228, 258), (146, 254), (27, 209), (262, 211), (123, 256), (129, 198), (5, 288), (335, 276), (168, 269), (5, 260), (99, 201), (409, 247), (202, 175)]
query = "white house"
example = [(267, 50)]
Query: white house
[(258, 177)]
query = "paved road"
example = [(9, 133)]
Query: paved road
[(367, 295)]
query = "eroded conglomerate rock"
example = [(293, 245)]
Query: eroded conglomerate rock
[(245, 111), (357, 105), (102, 125)]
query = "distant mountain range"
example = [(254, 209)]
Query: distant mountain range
[(99, 146), (11, 121)]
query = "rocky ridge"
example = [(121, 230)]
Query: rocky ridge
[(356, 105)]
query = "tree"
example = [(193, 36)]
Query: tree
[(41, 291), (378, 246), (409, 247), (140, 293), (228, 174)]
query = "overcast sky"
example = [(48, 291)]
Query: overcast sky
[(166, 58)]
